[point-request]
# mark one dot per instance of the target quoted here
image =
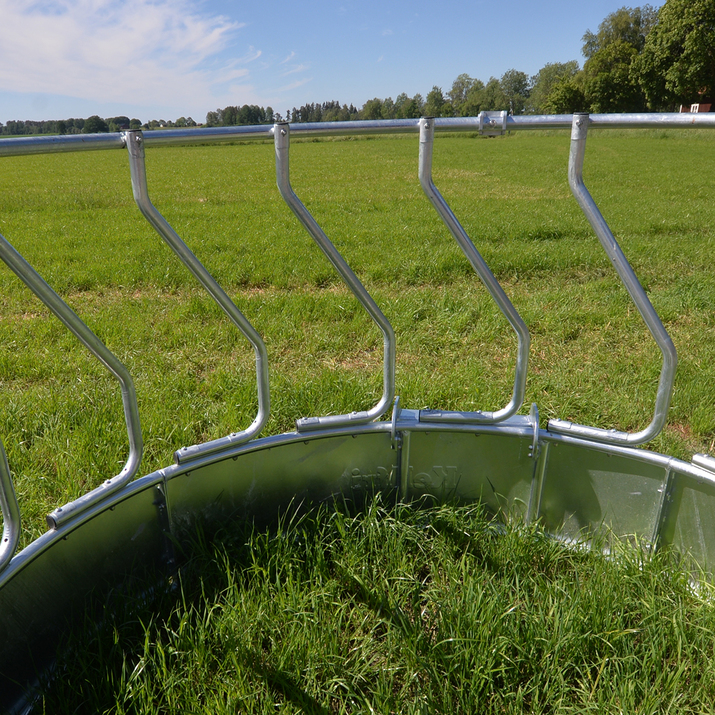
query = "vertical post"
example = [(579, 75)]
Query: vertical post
[(281, 137), (490, 283), (135, 147), (579, 132), (10, 513)]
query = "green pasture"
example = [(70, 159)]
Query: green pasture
[(645, 644), (592, 360)]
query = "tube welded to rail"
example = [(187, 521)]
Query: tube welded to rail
[(638, 295), (10, 512), (29, 276), (135, 148), (282, 145), (491, 284)]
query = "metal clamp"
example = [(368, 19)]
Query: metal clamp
[(493, 124), (281, 137), (135, 147), (489, 281), (29, 276), (579, 131)]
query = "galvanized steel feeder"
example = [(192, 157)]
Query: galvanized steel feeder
[(576, 479)]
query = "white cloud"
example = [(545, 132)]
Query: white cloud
[(295, 85), (296, 69), (385, 33), (137, 51), (287, 59)]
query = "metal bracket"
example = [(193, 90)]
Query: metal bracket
[(394, 434), (534, 419), (492, 124)]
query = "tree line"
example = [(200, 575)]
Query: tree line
[(92, 125), (638, 59)]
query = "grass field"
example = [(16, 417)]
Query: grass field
[(592, 360)]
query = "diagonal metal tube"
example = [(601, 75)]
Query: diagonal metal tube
[(579, 131), (29, 276), (135, 147), (10, 513), (281, 137), (491, 284)]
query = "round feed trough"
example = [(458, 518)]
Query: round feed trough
[(574, 478)]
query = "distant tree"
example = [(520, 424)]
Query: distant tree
[(627, 24), (372, 109), (212, 118), (608, 82), (677, 64), (461, 87), (434, 102), (548, 77), (135, 124), (414, 107), (473, 100), (388, 109), (493, 97), (565, 97), (94, 125), (515, 87), (401, 102)]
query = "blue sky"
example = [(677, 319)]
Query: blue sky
[(162, 59)]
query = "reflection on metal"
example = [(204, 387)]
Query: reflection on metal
[(29, 276), (135, 147), (635, 290), (493, 124), (576, 482), (490, 282), (281, 137), (10, 512)]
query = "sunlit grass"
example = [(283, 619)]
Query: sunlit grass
[(400, 610)]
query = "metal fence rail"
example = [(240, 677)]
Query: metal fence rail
[(486, 123)]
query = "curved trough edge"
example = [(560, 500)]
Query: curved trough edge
[(575, 487)]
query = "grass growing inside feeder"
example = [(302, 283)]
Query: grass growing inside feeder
[(399, 610)]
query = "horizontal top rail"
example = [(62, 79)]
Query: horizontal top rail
[(486, 122)]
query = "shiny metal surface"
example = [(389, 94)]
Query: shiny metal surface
[(135, 148), (490, 282), (485, 122), (29, 276), (10, 512), (638, 295), (281, 136), (577, 488)]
